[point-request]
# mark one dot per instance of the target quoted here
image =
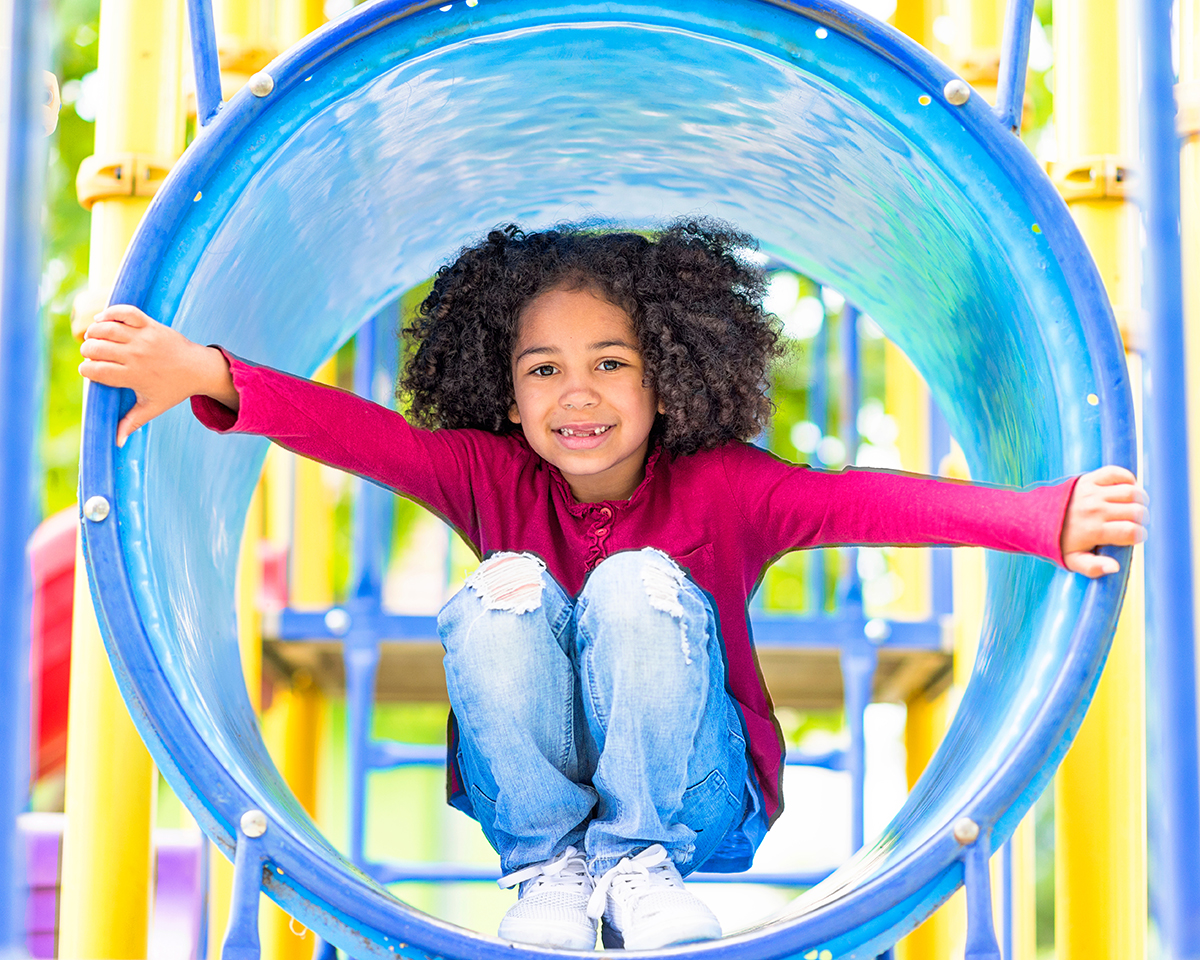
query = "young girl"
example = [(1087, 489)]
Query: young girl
[(580, 404)]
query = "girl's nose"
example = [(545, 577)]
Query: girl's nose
[(578, 394)]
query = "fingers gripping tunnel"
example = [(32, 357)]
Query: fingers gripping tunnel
[(371, 151)]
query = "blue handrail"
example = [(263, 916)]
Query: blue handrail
[(1014, 58), (22, 160), (206, 64), (1171, 635)]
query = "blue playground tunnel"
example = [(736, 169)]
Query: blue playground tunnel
[(364, 157)]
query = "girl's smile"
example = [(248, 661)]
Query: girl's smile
[(579, 394)]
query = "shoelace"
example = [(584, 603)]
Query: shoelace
[(633, 872), (568, 867)]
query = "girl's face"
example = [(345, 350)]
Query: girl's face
[(577, 378)]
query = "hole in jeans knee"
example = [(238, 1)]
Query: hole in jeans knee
[(663, 581), (510, 582)]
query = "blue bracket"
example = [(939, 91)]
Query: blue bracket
[(241, 937), (205, 61), (981, 933), (1014, 60)]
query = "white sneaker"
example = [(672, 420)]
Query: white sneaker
[(646, 906), (553, 907)]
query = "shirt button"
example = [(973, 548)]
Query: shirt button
[(602, 531), (606, 512)]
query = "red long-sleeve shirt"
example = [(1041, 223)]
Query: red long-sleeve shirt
[(723, 514)]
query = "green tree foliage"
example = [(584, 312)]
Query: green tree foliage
[(67, 227)]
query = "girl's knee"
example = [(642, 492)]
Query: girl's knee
[(648, 574), (504, 593), (513, 582), (634, 589), (630, 568)]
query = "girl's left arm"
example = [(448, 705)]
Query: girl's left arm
[(788, 507)]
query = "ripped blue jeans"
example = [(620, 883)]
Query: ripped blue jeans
[(601, 722)]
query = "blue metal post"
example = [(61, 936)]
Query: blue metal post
[(361, 658), (1014, 59), (981, 934), (1171, 635), (22, 153), (858, 656), (374, 379), (361, 646), (858, 659), (241, 938), (372, 526), (205, 63)]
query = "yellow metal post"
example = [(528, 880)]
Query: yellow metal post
[(290, 728), (104, 909), (246, 40), (1024, 864), (918, 19), (298, 18), (1100, 903), (107, 850), (923, 731), (978, 29)]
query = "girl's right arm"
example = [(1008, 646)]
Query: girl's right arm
[(442, 469), (123, 347)]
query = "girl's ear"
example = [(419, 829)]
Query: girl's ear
[(514, 414), (662, 408)]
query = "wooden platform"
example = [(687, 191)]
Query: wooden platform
[(797, 677)]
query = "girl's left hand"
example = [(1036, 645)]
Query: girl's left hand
[(1107, 508)]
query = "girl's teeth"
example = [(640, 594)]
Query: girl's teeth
[(568, 432)]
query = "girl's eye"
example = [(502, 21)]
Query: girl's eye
[(611, 364), (545, 370)]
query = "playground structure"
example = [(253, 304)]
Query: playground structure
[(1055, 402)]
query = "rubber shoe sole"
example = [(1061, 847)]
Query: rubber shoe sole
[(667, 933), (547, 933)]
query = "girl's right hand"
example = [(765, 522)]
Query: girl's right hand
[(123, 347)]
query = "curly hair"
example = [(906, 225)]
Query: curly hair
[(694, 299)]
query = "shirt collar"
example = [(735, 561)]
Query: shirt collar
[(577, 509)]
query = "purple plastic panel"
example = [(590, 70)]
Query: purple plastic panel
[(177, 895), (42, 837)]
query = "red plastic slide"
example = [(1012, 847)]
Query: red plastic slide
[(52, 555)]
